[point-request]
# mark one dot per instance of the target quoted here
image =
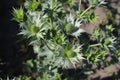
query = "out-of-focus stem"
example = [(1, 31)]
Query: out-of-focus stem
[(86, 10)]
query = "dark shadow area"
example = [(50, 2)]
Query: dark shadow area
[(13, 51), (8, 38)]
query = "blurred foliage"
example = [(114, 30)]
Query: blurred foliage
[(49, 35), (55, 35)]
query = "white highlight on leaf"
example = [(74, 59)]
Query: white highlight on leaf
[(78, 23), (70, 18), (78, 32)]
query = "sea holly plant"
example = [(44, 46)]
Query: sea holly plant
[(54, 32), (105, 43)]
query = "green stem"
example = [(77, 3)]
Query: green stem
[(86, 10), (51, 3), (94, 45), (51, 22), (80, 4), (47, 45)]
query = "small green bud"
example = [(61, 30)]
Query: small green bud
[(32, 5), (68, 27), (18, 14)]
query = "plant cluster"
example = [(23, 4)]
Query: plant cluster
[(53, 28)]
